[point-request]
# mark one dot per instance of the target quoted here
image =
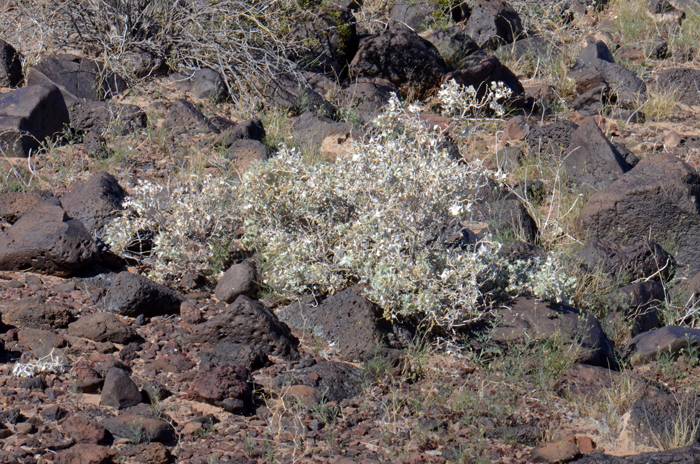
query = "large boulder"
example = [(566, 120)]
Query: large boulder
[(647, 346), (248, 322), (48, 241), (639, 260), (410, 62), (656, 200), (78, 78), (29, 116), (529, 320), (133, 295), (349, 321), (493, 23), (592, 160), (95, 202)]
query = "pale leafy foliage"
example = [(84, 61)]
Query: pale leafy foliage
[(318, 228), (460, 102), (50, 363)]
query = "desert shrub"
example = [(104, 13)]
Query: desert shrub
[(186, 224), (242, 40), (319, 227)]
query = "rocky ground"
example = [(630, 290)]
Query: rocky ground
[(153, 350)]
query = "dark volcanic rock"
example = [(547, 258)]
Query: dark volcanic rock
[(102, 327), (107, 117), (39, 341), (244, 152), (95, 202), (657, 200), (410, 62), (684, 82), (550, 139), (87, 454), (29, 116), (35, 313), (658, 418), (455, 46), (237, 354), (586, 381), (647, 346), (133, 295), (78, 78), (184, 116), (592, 160), (248, 322), (13, 205), (83, 430), (507, 220), (251, 129), (224, 385), (638, 304), (528, 320), (328, 29), (368, 96), (238, 280), (626, 262), (48, 241), (493, 23), (203, 83), (285, 91), (347, 319), (10, 66), (333, 380), (119, 390), (132, 426)]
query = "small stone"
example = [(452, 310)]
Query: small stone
[(190, 314), (555, 452)]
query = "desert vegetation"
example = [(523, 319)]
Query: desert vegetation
[(379, 231)]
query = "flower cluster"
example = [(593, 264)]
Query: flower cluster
[(182, 224), (50, 363), (460, 102)]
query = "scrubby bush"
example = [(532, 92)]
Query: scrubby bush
[(243, 40), (317, 228)]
